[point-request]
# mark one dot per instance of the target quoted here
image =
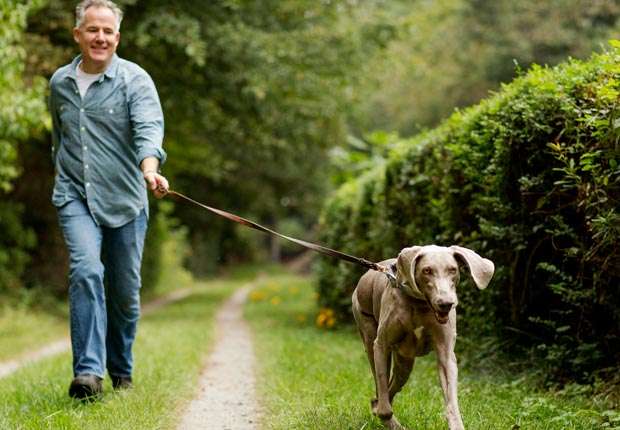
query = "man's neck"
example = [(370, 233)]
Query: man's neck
[(93, 68)]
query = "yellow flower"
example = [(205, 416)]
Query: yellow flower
[(326, 318), (257, 295), (276, 300)]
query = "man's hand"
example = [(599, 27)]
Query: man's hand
[(156, 183)]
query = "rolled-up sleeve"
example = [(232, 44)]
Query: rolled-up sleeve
[(147, 119)]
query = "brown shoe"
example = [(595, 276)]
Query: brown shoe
[(86, 387), (121, 382)]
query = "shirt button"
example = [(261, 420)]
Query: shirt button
[(86, 166), (88, 184), (82, 110), (85, 148), (82, 128)]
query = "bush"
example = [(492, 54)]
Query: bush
[(22, 114), (529, 178)]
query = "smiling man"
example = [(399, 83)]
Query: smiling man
[(107, 137)]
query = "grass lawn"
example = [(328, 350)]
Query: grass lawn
[(169, 353), (313, 378), (23, 328)]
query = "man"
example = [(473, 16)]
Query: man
[(107, 148)]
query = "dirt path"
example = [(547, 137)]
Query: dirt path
[(226, 398), (61, 345)]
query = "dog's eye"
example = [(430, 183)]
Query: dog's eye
[(427, 270), (452, 270)]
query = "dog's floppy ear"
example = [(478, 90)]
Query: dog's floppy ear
[(405, 265), (481, 269)]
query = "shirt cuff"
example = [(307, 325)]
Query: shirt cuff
[(158, 153)]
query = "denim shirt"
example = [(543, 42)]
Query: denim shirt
[(99, 141)]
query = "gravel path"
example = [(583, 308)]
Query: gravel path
[(226, 398)]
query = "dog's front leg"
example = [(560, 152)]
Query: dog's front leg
[(445, 338), (381, 356)]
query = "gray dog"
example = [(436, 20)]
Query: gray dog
[(399, 320)]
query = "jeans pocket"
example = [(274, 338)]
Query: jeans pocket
[(73, 208)]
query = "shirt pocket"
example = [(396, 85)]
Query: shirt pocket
[(112, 116), (112, 112)]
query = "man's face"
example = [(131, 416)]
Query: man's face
[(97, 37)]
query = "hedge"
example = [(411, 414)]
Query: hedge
[(529, 178)]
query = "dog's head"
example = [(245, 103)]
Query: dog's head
[(432, 273)]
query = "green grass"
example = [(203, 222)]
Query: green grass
[(23, 328), (313, 378), (169, 353)]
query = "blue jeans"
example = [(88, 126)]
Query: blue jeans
[(103, 319)]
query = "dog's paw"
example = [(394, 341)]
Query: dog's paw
[(385, 413), (373, 406), (393, 424)]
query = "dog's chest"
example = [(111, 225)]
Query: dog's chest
[(414, 314), (417, 340)]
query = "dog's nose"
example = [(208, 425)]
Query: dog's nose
[(445, 306)]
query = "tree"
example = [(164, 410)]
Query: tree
[(454, 52)]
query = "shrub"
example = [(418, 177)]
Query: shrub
[(22, 112)]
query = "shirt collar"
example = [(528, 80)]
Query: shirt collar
[(110, 71)]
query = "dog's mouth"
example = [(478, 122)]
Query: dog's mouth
[(442, 317)]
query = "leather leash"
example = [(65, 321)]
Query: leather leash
[(322, 249)]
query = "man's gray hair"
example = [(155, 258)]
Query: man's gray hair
[(80, 10)]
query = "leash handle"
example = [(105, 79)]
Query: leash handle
[(318, 248)]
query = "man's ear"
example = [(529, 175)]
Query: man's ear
[(406, 268), (76, 34), (480, 269)]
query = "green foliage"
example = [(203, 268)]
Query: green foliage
[(22, 114), (528, 178), (451, 53), (160, 225), (21, 106), (15, 243)]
